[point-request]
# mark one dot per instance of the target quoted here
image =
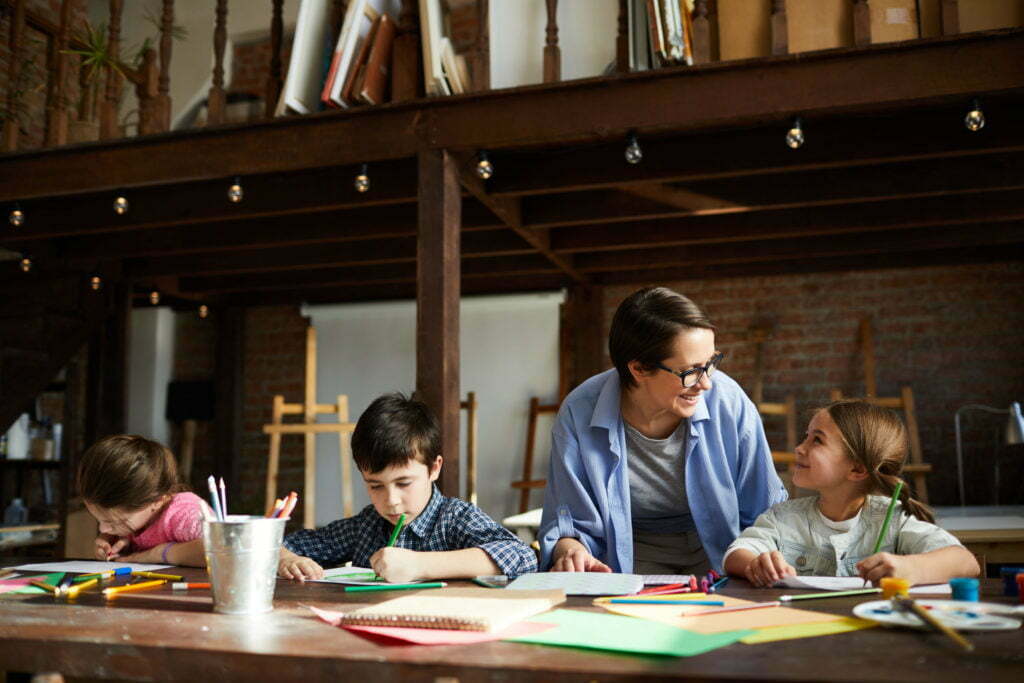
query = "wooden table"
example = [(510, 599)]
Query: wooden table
[(994, 533), (160, 636)]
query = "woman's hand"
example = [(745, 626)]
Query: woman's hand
[(298, 567), (572, 556), (109, 547), (767, 568)]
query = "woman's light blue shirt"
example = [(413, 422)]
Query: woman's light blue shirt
[(730, 477)]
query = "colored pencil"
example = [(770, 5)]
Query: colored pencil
[(214, 498), (669, 591), (44, 586), (289, 504), (718, 583), (273, 509), (7, 571), (79, 587), (734, 608), (888, 518), (830, 594), (154, 575), (223, 499), (677, 603), (103, 575), (666, 587), (398, 530), (141, 586), (396, 587), (186, 586), (908, 604)]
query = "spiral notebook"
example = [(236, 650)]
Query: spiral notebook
[(465, 611)]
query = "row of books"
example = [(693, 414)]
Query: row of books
[(353, 68), (660, 33)]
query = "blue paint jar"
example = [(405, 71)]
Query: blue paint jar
[(1009, 576), (964, 589)]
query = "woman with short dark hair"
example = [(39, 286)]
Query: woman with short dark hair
[(659, 463)]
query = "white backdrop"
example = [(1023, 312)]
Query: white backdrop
[(509, 352)]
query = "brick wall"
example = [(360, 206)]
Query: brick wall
[(954, 334)]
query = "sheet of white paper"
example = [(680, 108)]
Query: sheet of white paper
[(87, 567), (581, 583), (353, 576), (665, 579), (849, 583)]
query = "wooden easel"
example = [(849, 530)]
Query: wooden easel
[(528, 483), (309, 409), (787, 409), (905, 402), (470, 406)]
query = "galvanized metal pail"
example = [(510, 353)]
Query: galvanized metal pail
[(241, 558)]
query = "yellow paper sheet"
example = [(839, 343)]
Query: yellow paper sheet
[(764, 617), (844, 625)]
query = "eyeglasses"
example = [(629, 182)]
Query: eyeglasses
[(692, 377)]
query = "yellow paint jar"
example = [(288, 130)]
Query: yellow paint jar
[(893, 586)]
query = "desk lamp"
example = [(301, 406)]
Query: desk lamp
[(1014, 434)]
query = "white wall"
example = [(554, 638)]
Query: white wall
[(150, 364), (587, 31), (509, 352)]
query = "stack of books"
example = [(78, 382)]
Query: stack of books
[(660, 33)]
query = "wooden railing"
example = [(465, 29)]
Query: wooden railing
[(151, 76)]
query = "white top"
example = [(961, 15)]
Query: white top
[(817, 546)]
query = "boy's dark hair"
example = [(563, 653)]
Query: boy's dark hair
[(645, 327), (127, 471), (394, 430)]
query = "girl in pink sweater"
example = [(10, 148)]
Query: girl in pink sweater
[(131, 486)]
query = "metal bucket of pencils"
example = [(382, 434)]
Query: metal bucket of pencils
[(241, 557)]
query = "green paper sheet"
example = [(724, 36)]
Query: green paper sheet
[(52, 579), (598, 631)]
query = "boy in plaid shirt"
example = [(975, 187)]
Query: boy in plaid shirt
[(396, 447)]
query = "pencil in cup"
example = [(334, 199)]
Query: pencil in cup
[(289, 504)]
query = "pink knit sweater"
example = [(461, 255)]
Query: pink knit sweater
[(181, 520)]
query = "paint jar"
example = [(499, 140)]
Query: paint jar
[(241, 557), (964, 589), (1020, 587), (1009, 576), (893, 586)]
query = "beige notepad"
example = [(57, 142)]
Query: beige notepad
[(463, 610)]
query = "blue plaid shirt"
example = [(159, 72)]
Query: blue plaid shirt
[(444, 524)]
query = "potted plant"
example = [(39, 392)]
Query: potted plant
[(95, 58)]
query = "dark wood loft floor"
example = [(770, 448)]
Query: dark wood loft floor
[(888, 175)]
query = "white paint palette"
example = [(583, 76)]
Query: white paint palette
[(957, 614)]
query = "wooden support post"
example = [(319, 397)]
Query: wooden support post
[(470, 405), (585, 347), (274, 82), (309, 438), (216, 100), (57, 108), (552, 53), (146, 91), (949, 17), (229, 389), (780, 28), (166, 43), (438, 290), (112, 93), (482, 49), (345, 458), (861, 23), (622, 39), (13, 77), (406, 69), (701, 33)]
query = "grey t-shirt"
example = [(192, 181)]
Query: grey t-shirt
[(657, 481)]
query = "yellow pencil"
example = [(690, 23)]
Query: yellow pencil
[(48, 587), (145, 585), (154, 575), (79, 587)]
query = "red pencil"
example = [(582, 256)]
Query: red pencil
[(293, 499), (658, 589)]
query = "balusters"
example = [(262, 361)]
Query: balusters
[(482, 49), (13, 75), (552, 53), (949, 18), (57, 108), (701, 32), (112, 93), (622, 39), (780, 28), (146, 81), (216, 100), (274, 83), (861, 23), (406, 69), (166, 43)]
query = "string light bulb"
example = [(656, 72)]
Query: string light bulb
[(975, 118), (204, 311), (120, 205), (154, 297), (634, 155), (17, 216), (26, 264), (362, 181), (235, 192), (795, 135), (484, 168), (95, 282)]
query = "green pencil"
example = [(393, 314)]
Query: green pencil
[(888, 518), (830, 594), (396, 587), (398, 530)]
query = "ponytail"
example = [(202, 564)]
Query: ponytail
[(886, 484)]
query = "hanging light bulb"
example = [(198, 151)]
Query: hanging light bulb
[(26, 264), (95, 282), (17, 216), (204, 311), (154, 297), (634, 154), (120, 205), (362, 181), (484, 168), (235, 192), (795, 135), (975, 119)]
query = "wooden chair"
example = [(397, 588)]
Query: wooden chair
[(758, 334), (470, 406), (528, 483), (905, 402)]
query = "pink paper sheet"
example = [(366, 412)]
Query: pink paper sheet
[(434, 636), (8, 585)]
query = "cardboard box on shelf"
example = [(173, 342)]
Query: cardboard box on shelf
[(744, 29), (819, 24), (893, 20)]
